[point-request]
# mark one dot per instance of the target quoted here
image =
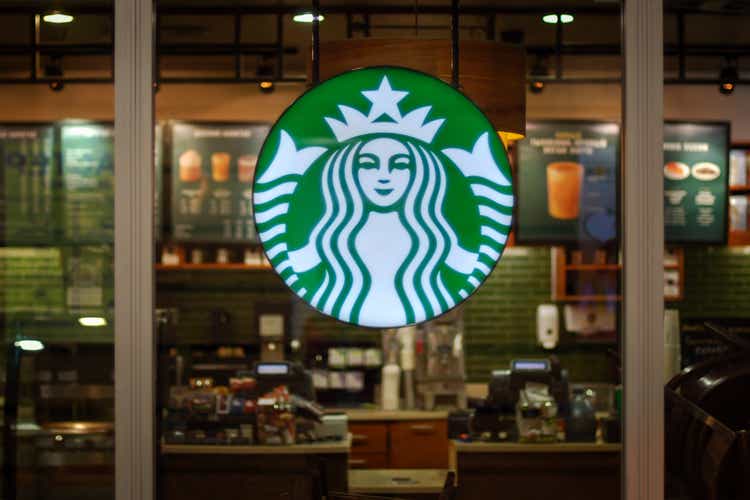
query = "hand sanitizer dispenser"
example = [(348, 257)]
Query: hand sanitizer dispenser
[(547, 325)]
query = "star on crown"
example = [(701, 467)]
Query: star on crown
[(384, 102)]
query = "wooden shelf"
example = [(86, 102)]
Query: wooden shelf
[(739, 238), (589, 298), (212, 267), (593, 267)]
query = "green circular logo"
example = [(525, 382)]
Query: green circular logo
[(383, 197)]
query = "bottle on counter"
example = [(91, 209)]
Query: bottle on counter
[(391, 381), (581, 424)]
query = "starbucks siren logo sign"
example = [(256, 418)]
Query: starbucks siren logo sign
[(383, 197)]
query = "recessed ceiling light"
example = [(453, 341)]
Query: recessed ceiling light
[(57, 18), (29, 345), (92, 321), (306, 17), (554, 19)]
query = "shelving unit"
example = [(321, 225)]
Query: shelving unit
[(591, 282), (213, 267), (736, 237), (179, 255)]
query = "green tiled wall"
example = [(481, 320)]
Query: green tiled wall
[(717, 283), (500, 321)]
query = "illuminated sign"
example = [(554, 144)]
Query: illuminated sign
[(383, 197)]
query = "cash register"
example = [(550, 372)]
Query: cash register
[(505, 385), (494, 419), (293, 375)]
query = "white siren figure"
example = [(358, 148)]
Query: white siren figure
[(382, 238)]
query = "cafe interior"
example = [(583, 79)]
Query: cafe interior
[(513, 390)]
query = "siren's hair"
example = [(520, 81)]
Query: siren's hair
[(346, 278)]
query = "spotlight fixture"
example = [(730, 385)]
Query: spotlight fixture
[(538, 73), (728, 76), (56, 85), (266, 86), (57, 17), (554, 18), (306, 17)]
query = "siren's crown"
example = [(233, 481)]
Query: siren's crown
[(384, 101)]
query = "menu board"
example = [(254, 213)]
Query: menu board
[(31, 280), (567, 181), (213, 166), (87, 151), (699, 344), (696, 182), (28, 173), (89, 277)]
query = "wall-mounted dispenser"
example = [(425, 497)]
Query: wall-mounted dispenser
[(548, 325)]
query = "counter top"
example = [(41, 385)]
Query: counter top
[(396, 481), (478, 447), (342, 446), (363, 415)]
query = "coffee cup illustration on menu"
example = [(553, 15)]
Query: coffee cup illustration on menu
[(190, 166), (220, 166), (246, 168), (564, 179)]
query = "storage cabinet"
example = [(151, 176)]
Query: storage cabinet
[(412, 444), (419, 444)]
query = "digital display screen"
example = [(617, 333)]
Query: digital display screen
[(273, 369), (531, 365)]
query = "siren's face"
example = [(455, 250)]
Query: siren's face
[(384, 168)]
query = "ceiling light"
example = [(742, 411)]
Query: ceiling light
[(536, 86), (539, 72), (57, 17), (92, 321), (266, 87), (29, 345), (728, 77), (554, 19), (306, 17)]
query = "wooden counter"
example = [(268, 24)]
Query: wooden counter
[(326, 448), (362, 415), (240, 472), (562, 471), (476, 447)]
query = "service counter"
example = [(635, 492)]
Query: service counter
[(241, 472), (562, 471)]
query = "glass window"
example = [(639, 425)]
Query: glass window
[(56, 251), (706, 160), (528, 362)]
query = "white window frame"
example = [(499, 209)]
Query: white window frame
[(135, 366), (642, 228)]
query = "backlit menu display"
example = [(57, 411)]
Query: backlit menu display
[(696, 182), (213, 166)]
